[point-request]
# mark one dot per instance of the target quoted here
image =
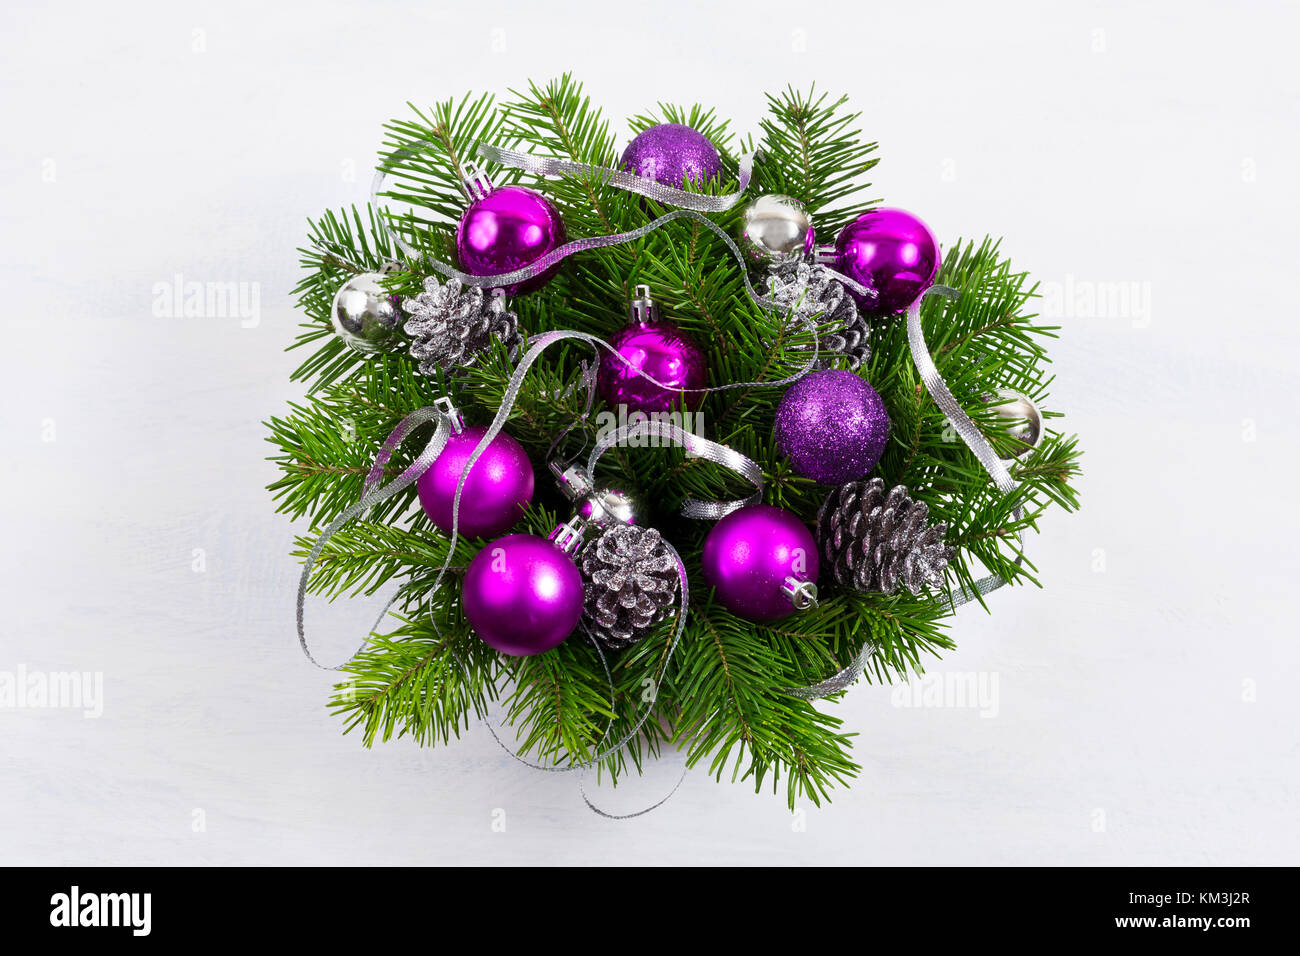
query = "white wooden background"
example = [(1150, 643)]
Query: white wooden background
[(1146, 697)]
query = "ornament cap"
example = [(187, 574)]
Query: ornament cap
[(643, 310), (568, 536), (602, 508), (826, 255), (474, 181), (802, 593), (574, 481)]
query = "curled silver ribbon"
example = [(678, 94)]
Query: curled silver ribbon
[(975, 440), (693, 508), (689, 207), (373, 492), (642, 186), (717, 453), (699, 447), (561, 253), (618, 745), (535, 348)]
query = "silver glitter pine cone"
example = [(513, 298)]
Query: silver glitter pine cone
[(875, 541), (630, 580), (810, 293), (451, 326)]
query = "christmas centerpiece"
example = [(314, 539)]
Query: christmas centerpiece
[(657, 441)]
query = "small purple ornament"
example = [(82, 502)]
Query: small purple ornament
[(753, 558), (507, 229), (498, 489), (655, 346), (891, 251), (832, 426), (672, 154), (522, 595)]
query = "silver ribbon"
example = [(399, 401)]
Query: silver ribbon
[(691, 508), (561, 253), (618, 745), (373, 492), (690, 205), (713, 451), (642, 186), (975, 440), (699, 447), (534, 351)]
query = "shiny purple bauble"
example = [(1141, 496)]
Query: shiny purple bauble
[(522, 595), (748, 556), (662, 351), (672, 154), (509, 228), (832, 426), (498, 489), (891, 251)]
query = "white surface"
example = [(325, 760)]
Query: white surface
[(1121, 691)]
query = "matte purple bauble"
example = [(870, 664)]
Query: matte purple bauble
[(509, 228), (748, 556), (832, 426), (891, 251), (672, 154), (498, 489), (662, 351), (522, 595)]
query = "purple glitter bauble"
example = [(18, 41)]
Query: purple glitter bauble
[(672, 154), (832, 426), (662, 351), (498, 489), (750, 553), (891, 251), (522, 595), (509, 228)]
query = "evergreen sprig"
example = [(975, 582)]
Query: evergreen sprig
[(719, 696)]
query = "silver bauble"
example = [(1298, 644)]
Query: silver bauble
[(365, 315), (1025, 421), (777, 230), (600, 507), (607, 507)]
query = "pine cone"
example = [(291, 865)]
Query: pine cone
[(451, 327), (874, 541), (808, 292), (630, 579)]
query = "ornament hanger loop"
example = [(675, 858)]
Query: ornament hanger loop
[(448, 408)]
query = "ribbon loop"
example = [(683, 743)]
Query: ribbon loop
[(697, 447), (373, 492), (517, 276), (975, 440), (642, 186), (688, 206)]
